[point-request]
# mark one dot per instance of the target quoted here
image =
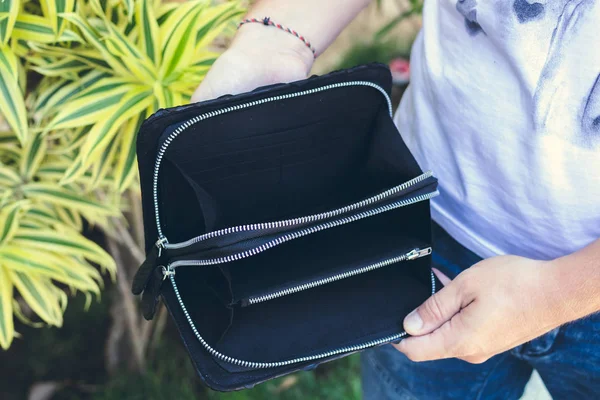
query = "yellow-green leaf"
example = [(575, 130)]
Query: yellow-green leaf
[(89, 56), (39, 29), (126, 166), (135, 61), (50, 193), (12, 104), (102, 167), (11, 7), (9, 220), (91, 105), (34, 290), (72, 271), (130, 106), (66, 91), (22, 317), (94, 38), (52, 10), (148, 33), (129, 8), (8, 60), (8, 177), (213, 20), (62, 68), (179, 41), (63, 243), (7, 330), (33, 154), (69, 218), (29, 261)]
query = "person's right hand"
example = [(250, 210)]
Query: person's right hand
[(258, 56)]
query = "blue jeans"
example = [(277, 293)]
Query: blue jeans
[(567, 358)]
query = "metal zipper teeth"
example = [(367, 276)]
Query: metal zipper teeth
[(303, 232), (185, 125), (309, 285), (302, 220), (262, 365)]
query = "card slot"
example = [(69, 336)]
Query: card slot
[(353, 116), (271, 155), (324, 155), (292, 142)]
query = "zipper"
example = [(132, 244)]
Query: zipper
[(289, 223), (185, 125), (262, 365), (411, 255), (303, 232)]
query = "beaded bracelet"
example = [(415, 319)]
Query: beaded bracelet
[(267, 22)]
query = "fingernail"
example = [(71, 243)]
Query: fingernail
[(413, 322)]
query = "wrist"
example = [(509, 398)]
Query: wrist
[(568, 298), (268, 43)]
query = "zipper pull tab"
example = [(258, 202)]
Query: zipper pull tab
[(152, 292), (418, 253), (142, 276)]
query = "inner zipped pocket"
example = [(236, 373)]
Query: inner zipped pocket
[(386, 296), (350, 255), (236, 234), (300, 287), (241, 242)]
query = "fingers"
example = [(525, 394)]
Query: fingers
[(436, 310), (437, 345), (441, 276)]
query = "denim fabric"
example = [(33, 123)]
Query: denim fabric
[(567, 358)]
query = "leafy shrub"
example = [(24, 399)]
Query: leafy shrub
[(76, 81)]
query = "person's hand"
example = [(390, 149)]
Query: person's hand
[(496, 305), (257, 57)]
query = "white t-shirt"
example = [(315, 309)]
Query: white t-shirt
[(504, 107)]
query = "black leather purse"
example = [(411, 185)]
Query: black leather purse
[(284, 227)]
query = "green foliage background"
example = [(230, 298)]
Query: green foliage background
[(77, 78)]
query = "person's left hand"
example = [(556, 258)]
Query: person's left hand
[(496, 305)]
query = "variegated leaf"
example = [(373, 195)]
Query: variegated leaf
[(9, 219), (33, 154), (61, 196), (34, 290), (148, 31), (7, 330), (12, 104), (39, 29), (11, 9)]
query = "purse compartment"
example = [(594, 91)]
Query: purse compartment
[(352, 312), (321, 164), (386, 295), (325, 254)]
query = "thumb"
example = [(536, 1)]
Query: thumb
[(436, 310)]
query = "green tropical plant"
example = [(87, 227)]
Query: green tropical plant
[(414, 7), (76, 81)]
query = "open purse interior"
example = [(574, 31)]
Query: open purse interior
[(293, 223)]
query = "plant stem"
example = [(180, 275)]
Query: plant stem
[(130, 309)]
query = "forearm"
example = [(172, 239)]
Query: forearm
[(319, 21), (576, 291)]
